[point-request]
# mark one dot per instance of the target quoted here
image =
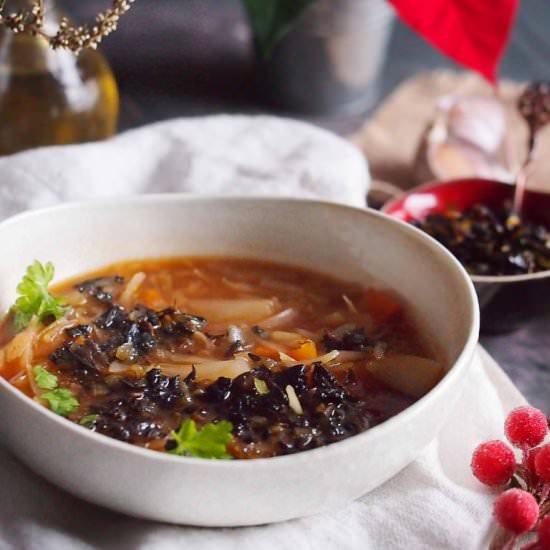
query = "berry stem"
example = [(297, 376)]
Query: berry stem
[(524, 457), (511, 543), (502, 540), (522, 478), (544, 508)]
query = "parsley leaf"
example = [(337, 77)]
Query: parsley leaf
[(261, 386), (209, 442), (61, 401), (44, 380), (88, 420), (34, 298)]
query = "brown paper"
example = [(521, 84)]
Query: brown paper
[(390, 138)]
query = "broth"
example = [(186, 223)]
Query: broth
[(220, 357)]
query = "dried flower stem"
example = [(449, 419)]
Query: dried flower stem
[(534, 107), (68, 36)]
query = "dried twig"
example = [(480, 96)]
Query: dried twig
[(68, 36)]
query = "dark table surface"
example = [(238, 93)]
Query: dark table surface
[(193, 57)]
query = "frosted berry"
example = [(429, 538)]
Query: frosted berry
[(493, 463), (516, 510), (531, 455), (542, 463), (544, 533), (526, 427)]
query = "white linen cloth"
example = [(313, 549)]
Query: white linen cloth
[(213, 155), (434, 503)]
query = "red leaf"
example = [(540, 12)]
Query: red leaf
[(472, 32)]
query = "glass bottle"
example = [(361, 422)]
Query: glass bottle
[(50, 97)]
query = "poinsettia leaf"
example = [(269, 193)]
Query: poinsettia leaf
[(270, 20), (473, 33)]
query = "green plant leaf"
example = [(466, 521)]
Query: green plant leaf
[(88, 420), (209, 442), (261, 386), (34, 298), (61, 401), (44, 380), (270, 20)]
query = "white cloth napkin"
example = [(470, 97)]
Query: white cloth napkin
[(434, 503), (223, 154)]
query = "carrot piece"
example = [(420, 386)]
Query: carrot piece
[(265, 351), (10, 369), (306, 350), (380, 305)]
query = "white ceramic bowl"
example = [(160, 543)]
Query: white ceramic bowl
[(345, 242)]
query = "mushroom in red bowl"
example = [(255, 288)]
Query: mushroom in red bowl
[(507, 255)]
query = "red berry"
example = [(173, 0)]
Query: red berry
[(544, 533), (526, 427), (516, 510), (542, 463), (493, 463), (531, 455)]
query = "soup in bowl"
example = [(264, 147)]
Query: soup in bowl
[(268, 359), (245, 329)]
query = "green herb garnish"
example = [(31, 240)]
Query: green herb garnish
[(34, 298), (61, 401), (209, 442), (261, 386), (44, 380), (88, 420)]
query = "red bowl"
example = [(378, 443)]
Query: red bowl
[(506, 301), (462, 194)]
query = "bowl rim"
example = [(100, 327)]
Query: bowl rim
[(456, 369), (479, 279)]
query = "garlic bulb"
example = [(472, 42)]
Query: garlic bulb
[(468, 137)]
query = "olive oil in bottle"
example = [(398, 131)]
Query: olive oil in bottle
[(50, 97)]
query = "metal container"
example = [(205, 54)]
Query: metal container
[(331, 59)]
